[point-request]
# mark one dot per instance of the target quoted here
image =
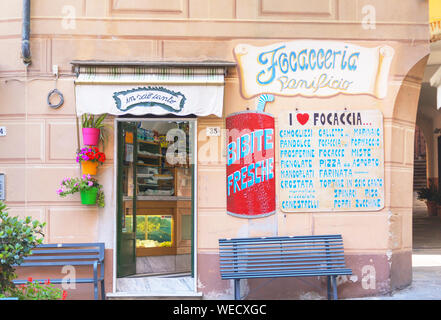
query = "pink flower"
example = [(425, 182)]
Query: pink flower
[(90, 183), (59, 191)]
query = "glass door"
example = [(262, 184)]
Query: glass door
[(126, 183), (155, 194)]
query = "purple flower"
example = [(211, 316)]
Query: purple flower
[(90, 183), (59, 191)]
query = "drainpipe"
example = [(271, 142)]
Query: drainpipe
[(26, 31)]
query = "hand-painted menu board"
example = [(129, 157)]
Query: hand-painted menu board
[(331, 161)]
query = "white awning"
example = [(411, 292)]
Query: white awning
[(156, 91)]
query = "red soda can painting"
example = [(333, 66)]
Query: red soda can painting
[(251, 188)]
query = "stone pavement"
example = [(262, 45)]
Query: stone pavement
[(426, 259)]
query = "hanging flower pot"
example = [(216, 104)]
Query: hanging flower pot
[(90, 190), (92, 129), (90, 158), (89, 196), (89, 167), (91, 136)]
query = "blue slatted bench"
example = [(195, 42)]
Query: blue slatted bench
[(273, 257), (73, 254)]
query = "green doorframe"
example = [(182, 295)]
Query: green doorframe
[(125, 239), (194, 192)]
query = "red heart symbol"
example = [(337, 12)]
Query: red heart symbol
[(302, 118)]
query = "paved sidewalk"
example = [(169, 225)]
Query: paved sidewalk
[(426, 259), (426, 282)]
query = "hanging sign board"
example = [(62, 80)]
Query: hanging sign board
[(250, 164), (313, 69), (331, 161), (149, 97)]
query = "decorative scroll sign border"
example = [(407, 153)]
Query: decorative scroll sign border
[(313, 69), (148, 97)]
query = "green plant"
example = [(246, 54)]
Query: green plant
[(90, 122), (17, 238), (34, 290), (424, 194), (428, 194), (86, 182)]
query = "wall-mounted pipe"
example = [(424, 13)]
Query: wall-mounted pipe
[(26, 31)]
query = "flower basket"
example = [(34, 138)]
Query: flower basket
[(89, 196), (91, 136), (89, 167), (90, 190), (90, 158)]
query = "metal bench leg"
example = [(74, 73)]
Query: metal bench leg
[(328, 280), (103, 292), (95, 280), (334, 287), (236, 289)]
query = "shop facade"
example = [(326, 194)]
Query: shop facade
[(325, 72)]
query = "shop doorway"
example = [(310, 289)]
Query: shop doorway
[(155, 198)]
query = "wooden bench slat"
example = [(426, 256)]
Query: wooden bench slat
[(277, 259), (71, 245), (284, 246), (261, 254), (277, 242), (279, 262), (329, 236), (58, 263), (287, 266), (54, 251), (290, 274), (274, 272), (276, 239), (72, 257), (226, 261)]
